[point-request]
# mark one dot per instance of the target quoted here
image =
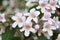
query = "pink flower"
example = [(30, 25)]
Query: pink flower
[(56, 22), (27, 28), (33, 15), (19, 20)]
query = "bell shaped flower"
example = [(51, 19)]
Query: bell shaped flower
[(27, 28), (47, 29), (19, 20), (53, 4), (56, 22), (33, 15), (42, 5)]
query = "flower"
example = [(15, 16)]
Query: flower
[(47, 17), (42, 5), (27, 28), (56, 22), (33, 15), (19, 20), (2, 18), (53, 4), (47, 29)]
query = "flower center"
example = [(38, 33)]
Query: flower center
[(49, 10), (27, 27), (42, 5), (20, 20)]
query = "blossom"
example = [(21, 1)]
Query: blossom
[(53, 4), (47, 27), (56, 22), (33, 15), (27, 28), (19, 20), (47, 17), (2, 17)]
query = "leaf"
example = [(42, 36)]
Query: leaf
[(9, 34), (42, 37)]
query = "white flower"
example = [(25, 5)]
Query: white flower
[(27, 29), (53, 4), (56, 22), (42, 4), (47, 28), (46, 16), (33, 15), (19, 20), (2, 17), (49, 10)]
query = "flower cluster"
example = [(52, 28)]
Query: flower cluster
[(26, 20), (30, 22)]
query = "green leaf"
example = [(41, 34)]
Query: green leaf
[(42, 37), (9, 34)]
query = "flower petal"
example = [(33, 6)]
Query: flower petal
[(4, 20), (23, 18), (38, 7), (26, 14), (44, 30), (53, 27), (28, 3), (22, 29), (14, 18), (29, 19), (14, 24), (50, 33), (18, 14), (20, 25), (35, 19), (32, 30), (36, 13), (32, 10), (26, 33)]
